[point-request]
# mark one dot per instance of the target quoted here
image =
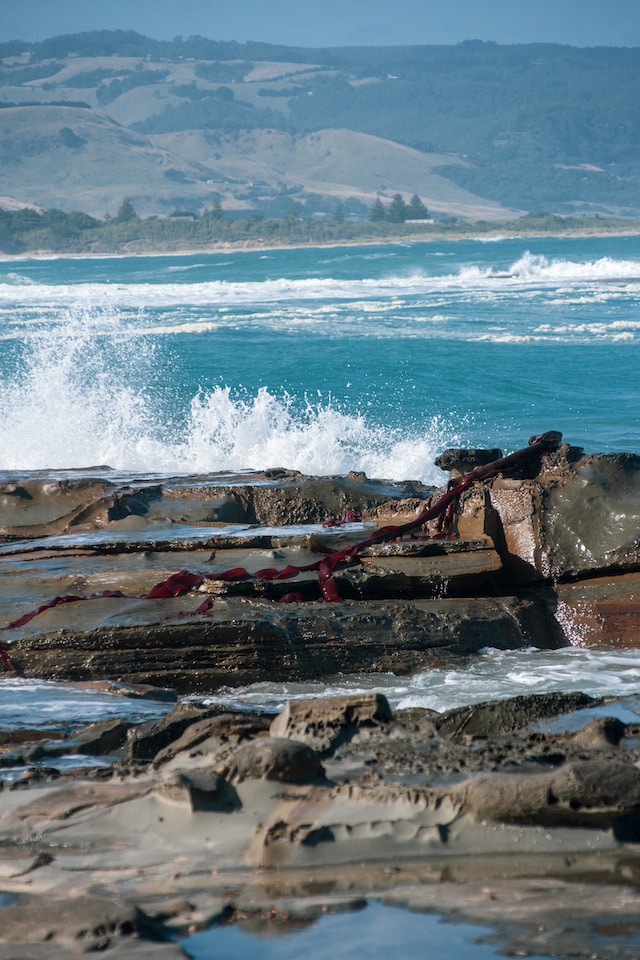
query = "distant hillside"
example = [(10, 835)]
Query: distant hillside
[(477, 130)]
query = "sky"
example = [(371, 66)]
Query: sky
[(308, 23)]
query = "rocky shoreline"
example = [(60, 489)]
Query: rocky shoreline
[(522, 814), (180, 582), (210, 817)]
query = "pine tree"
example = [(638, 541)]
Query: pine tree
[(416, 209), (217, 212), (377, 211), (397, 212), (126, 211)]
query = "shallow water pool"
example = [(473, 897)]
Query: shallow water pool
[(377, 931)]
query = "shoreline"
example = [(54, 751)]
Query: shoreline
[(253, 246)]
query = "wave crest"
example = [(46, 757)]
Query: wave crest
[(82, 398), (529, 270)]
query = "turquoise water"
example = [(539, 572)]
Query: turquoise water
[(371, 358), (322, 360)]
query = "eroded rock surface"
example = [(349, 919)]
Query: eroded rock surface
[(406, 807), (328, 723)]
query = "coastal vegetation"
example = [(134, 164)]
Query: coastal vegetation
[(32, 231)]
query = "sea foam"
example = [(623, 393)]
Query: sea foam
[(528, 270), (82, 398)]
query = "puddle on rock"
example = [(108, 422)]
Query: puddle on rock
[(375, 933)]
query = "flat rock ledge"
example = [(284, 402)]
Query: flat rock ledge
[(540, 557), (211, 816)]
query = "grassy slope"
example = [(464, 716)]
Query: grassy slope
[(338, 163), (190, 169), (37, 166)]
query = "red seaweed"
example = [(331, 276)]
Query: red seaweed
[(442, 511)]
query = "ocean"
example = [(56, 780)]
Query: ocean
[(324, 360)]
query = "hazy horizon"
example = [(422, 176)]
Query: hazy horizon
[(359, 23)]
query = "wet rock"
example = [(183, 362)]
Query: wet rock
[(312, 499), (35, 775), (404, 807), (50, 506), (576, 518), (128, 949), (453, 575), (142, 691), (10, 759), (504, 716), (37, 508), (147, 741), (38, 753), (239, 642), (591, 523), (601, 732), (563, 915), (600, 611), (581, 794), (550, 438), (18, 736), (91, 921), (229, 507), (457, 461), (263, 919), (521, 572), (327, 723), (273, 758), (466, 787), (396, 511), (100, 739)]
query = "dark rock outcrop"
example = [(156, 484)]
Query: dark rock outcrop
[(543, 555)]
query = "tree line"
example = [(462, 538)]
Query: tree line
[(55, 231), (398, 211)]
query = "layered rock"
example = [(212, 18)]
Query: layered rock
[(543, 551)]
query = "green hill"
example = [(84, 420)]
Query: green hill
[(477, 130)]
